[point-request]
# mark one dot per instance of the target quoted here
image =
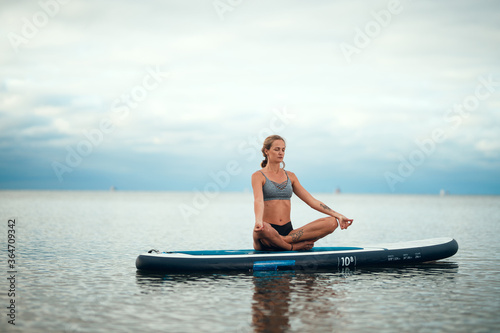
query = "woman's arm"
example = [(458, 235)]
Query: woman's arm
[(258, 201), (314, 203)]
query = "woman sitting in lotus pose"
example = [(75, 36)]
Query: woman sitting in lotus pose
[(272, 190)]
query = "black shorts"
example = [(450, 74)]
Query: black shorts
[(283, 230)]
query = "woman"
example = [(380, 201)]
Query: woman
[(272, 190)]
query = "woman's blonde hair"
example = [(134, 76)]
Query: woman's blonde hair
[(268, 142)]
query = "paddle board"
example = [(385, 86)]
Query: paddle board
[(319, 258)]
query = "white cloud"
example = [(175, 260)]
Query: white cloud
[(227, 76)]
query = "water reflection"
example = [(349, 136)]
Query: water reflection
[(324, 300), (282, 301), (281, 298), (271, 300), (433, 270), (149, 282)]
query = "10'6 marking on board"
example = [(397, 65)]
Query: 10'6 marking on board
[(346, 261)]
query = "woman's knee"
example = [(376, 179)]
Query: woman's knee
[(330, 224)]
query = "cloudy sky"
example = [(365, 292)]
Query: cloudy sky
[(372, 96)]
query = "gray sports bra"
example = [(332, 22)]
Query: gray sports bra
[(277, 191)]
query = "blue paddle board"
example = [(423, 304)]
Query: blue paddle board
[(319, 258)]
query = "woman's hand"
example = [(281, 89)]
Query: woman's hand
[(344, 222), (259, 226)]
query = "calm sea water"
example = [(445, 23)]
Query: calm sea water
[(75, 263)]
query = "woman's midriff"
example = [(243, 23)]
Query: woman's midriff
[(277, 211)]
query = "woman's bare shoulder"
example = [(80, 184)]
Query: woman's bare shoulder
[(258, 175)]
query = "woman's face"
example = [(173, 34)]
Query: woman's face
[(277, 152)]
